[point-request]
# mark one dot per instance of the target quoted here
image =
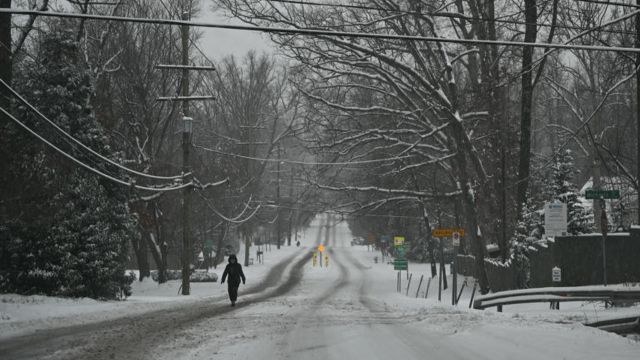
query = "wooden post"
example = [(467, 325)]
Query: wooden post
[(409, 283), (419, 285), (440, 285), (460, 293), (186, 149), (473, 293), (426, 292)]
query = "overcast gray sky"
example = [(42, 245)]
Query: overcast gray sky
[(218, 43)]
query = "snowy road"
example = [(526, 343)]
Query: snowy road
[(348, 310)]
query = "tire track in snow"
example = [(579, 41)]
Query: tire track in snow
[(131, 336)]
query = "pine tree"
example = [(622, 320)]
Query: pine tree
[(69, 236), (528, 232), (564, 189)]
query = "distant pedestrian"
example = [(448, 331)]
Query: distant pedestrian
[(298, 244), (234, 271)]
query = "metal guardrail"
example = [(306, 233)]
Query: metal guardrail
[(623, 325), (556, 295)]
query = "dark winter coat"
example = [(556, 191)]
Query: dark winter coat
[(234, 271)]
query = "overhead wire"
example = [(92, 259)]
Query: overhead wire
[(297, 162), (94, 170), (320, 32), (231, 220), (504, 19), (615, 3), (79, 143)]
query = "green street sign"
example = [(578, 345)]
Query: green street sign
[(400, 265), (602, 194), (208, 244)]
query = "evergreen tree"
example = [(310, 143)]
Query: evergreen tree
[(528, 232), (68, 231), (564, 189)]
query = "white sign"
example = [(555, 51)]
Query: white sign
[(555, 219), (456, 238), (556, 274)]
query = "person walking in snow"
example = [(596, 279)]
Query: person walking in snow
[(234, 271)]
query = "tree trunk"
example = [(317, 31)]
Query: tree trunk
[(220, 251), (156, 253), (140, 249), (531, 17), (247, 246)]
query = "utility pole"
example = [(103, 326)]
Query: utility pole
[(5, 53), (278, 199), (186, 148), (187, 131), (638, 112), (290, 202)]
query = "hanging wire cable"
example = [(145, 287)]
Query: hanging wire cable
[(454, 16), (614, 3), (231, 220), (319, 32), (78, 142), (297, 162), (96, 171)]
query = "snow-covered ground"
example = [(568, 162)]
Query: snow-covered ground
[(351, 310), (24, 314), (348, 310)]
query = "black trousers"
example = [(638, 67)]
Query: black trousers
[(233, 292)]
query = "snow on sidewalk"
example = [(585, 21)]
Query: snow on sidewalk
[(25, 314)]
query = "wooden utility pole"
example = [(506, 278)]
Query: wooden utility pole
[(638, 112), (5, 53), (186, 148), (278, 222)]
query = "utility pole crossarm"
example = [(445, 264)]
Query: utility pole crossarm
[(185, 98), (188, 67)]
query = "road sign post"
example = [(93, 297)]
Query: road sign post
[(604, 226), (455, 237), (400, 262), (604, 223)]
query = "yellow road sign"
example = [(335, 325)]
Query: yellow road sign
[(321, 248), (398, 240), (446, 232)]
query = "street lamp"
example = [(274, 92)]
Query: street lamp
[(188, 125)]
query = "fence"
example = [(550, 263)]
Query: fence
[(579, 258)]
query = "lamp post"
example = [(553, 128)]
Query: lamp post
[(187, 130)]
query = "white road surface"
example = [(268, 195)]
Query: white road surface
[(348, 310)]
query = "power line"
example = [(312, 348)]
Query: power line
[(96, 171), (337, 210), (296, 162), (235, 220), (615, 3), (458, 16), (318, 32), (78, 142)]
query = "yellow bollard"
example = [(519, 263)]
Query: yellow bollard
[(326, 260), (315, 259)]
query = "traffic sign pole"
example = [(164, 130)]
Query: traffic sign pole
[(604, 225), (454, 267)]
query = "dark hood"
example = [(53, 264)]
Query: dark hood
[(232, 257)]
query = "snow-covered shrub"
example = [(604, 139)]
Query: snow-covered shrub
[(196, 276), (69, 232)]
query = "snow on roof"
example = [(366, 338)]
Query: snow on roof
[(610, 183)]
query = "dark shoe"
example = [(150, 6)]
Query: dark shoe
[(233, 303)]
